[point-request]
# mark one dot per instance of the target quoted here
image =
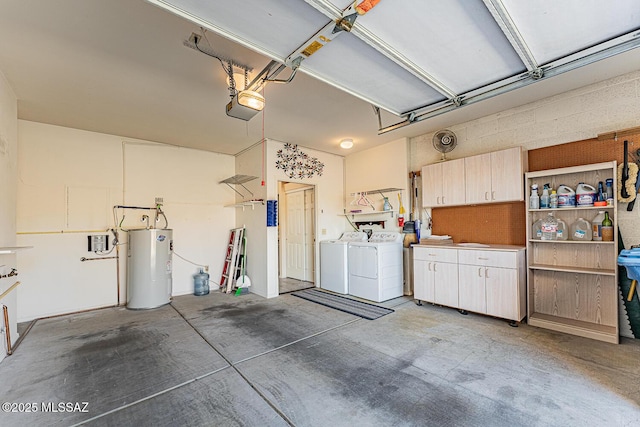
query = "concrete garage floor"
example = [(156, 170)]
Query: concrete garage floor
[(225, 360)]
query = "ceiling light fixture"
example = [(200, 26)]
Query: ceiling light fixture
[(346, 143), (245, 105)]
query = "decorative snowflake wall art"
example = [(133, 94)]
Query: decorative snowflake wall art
[(297, 164)]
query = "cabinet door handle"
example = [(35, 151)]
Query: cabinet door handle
[(486, 195), (443, 200), (493, 195), (429, 267), (483, 259), (438, 200), (486, 273), (480, 272), (434, 267)]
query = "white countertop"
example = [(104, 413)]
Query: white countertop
[(476, 246)]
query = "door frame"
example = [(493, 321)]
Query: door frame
[(282, 224)]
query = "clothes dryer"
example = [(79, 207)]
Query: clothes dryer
[(376, 267), (334, 274)]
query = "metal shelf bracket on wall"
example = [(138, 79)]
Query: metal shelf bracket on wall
[(362, 200), (238, 180), (246, 203)]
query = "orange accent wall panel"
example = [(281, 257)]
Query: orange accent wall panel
[(498, 224), (583, 153)]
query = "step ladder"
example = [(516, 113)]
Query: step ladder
[(232, 260)]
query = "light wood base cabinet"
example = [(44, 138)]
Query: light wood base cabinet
[(436, 275), (493, 282), (489, 281)]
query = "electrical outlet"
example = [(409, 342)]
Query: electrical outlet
[(206, 268), (159, 201), (195, 38)]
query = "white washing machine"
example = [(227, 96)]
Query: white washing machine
[(375, 267), (334, 275)]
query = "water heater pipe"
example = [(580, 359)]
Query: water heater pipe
[(7, 332), (83, 259), (133, 207), (115, 232), (5, 293)]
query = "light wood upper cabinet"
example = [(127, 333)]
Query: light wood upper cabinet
[(478, 179), (485, 178), (443, 184), (507, 175), (495, 177), (432, 185)]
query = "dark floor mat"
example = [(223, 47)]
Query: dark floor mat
[(348, 305)]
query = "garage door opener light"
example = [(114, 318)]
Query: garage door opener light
[(245, 105)]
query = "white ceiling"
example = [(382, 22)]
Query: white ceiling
[(120, 66)]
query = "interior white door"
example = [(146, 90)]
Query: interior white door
[(296, 235), (309, 241)]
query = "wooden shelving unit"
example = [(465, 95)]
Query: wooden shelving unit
[(572, 286)]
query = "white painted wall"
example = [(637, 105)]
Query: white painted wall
[(572, 116), (69, 182), (188, 181), (262, 247), (8, 191), (384, 166)]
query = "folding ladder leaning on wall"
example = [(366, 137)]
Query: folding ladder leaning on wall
[(231, 268)]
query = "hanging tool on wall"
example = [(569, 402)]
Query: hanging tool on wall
[(637, 161), (627, 177), (401, 212)]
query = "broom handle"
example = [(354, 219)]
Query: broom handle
[(631, 290)]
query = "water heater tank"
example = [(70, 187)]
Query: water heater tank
[(149, 268)]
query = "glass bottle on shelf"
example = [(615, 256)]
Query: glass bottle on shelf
[(386, 206), (607, 228)]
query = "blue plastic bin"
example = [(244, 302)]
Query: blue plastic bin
[(630, 258)]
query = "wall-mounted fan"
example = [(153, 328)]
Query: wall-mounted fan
[(444, 141)]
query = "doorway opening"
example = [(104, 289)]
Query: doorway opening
[(296, 236)]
